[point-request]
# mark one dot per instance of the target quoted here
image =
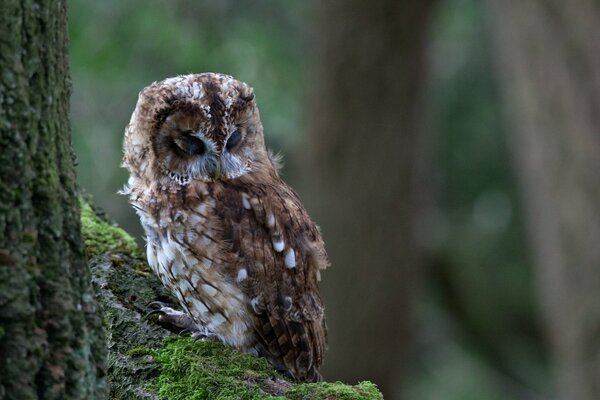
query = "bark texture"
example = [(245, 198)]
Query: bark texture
[(549, 66), (367, 148), (51, 342)]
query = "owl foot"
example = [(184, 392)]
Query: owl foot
[(169, 316), (179, 320)]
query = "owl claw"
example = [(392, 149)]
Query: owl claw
[(179, 320), (198, 335), (153, 312), (156, 303), (203, 334), (167, 315)]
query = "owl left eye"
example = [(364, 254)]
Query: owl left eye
[(192, 145), (234, 140)]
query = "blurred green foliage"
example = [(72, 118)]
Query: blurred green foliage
[(491, 346), (478, 336)]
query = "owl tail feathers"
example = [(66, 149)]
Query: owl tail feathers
[(309, 375), (295, 372), (312, 375)]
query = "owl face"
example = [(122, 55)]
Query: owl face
[(196, 127)]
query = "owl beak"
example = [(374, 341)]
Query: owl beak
[(216, 173)]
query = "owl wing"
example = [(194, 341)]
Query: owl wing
[(279, 253)]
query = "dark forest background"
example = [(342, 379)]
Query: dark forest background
[(448, 149)]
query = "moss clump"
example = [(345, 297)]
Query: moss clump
[(208, 370), (138, 352), (337, 390), (100, 237)]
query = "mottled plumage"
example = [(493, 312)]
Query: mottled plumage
[(224, 233)]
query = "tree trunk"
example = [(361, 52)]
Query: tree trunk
[(51, 345), (367, 150), (549, 67)]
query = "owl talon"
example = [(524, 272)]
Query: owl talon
[(203, 334), (153, 312), (198, 335), (167, 315), (156, 304)]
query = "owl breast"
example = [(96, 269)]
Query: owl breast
[(186, 251)]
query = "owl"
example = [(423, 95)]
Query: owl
[(225, 235)]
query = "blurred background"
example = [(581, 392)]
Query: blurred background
[(447, 148)]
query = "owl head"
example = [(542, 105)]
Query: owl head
[(195, 127)]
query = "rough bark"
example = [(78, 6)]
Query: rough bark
[(549, 66), (51, 344), (367, 150)]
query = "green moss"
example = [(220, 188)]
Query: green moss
[(138, 352), (100, 237), (28, 237), (208, 370), (116, 289), (337, 390)]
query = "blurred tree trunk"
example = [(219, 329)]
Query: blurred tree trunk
[(51, 345), (367, 149), (549, 67)]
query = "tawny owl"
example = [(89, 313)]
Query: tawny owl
[(224, 233)]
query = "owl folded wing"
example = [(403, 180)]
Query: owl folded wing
[(279, 257)]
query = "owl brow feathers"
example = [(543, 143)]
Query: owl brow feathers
[(217, 106), (220, 108), (173, 104)]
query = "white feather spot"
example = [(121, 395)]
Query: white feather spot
[(242, 274), (162, 260), (195, 279), (209, 290), (206, 110), (270, 220), (185, 286), (217, 319), (151, 255), (246, 202), (290, 259), (238, 334), (278, 245), (254, 304), (196, 90), (199, 306), (177, 268)]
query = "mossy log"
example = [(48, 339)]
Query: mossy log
[(147, 361)]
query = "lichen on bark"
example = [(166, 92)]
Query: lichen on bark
[(147, 361), (51, 343)]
